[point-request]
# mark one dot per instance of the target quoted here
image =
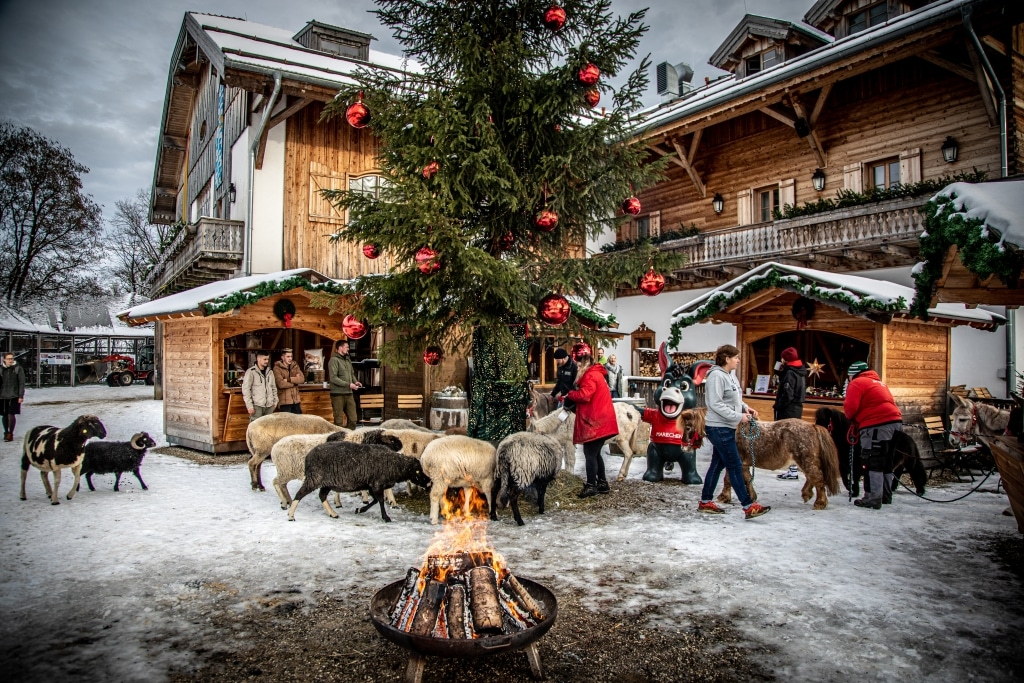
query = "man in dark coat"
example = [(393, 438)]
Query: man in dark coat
[(789, 398), (566, 374)]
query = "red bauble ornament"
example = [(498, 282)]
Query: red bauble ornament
[(652, 283), (592, 97), (427, 261), (546, 220), (631, 206), (358, 114), (554, 309), (554, 18), (590, 74), (353, 327), (433, 355), (430, 169), (371, 251), (508, 240)]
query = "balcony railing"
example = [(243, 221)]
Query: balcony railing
[(875, 235), (209, 251)]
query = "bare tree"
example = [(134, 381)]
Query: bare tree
[(134, 243), (49, 228)]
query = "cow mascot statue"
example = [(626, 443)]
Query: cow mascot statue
[(676, 393)]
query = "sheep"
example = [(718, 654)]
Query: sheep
[(116, 457), (49, 449), (524, 459), (289, 456), (413, 441), (398, 423), (264, 432), (561, 431), (344, 466), (458, 462), (627, 418)]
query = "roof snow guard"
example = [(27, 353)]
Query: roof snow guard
[(875, 300), (227, 295)]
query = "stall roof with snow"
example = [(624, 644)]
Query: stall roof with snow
[(971, 248)]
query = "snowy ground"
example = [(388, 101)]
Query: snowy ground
[(91, 589)]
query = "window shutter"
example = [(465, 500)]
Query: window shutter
[(787, 193), (321, 177), (744, 207), (853, 177), (655, 218), (910, 166)]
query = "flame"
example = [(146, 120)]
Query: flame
[(461, 536)]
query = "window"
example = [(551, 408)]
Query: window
[(643, 228), (885, 174), (762, 61), (866, 18), (767, 201), (368, 185)]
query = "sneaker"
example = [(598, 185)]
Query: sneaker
[(756, 510), (873, 503), (792, 473), (588, 491), (710, 508)]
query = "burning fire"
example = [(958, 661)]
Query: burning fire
[(463, 589)]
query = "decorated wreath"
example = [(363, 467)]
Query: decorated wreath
[(803, 311), (284, 310)]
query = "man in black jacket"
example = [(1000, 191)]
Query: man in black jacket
[(566, 374), (789, 398)]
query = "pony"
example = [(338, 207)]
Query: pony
[(907, 456), (969, 419), (774, 445)]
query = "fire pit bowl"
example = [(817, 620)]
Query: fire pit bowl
[(420, 646)]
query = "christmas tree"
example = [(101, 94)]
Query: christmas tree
[(503, 152)]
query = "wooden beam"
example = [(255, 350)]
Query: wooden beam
[(694, 176), (173, 142), (995, 44), (938, 60), (743, 307), (291, 109), (812, 137), (983, 85), (985, 297), (694, 143), (819, 104), (779, 116)]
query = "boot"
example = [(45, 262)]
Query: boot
[(873, 498), (890, 480), (688, 467), (588, 491), (8, 436), (602, 486)]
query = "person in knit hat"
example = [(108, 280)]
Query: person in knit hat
[(869, 405), (789, 398)]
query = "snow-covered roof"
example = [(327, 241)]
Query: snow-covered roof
[(256, 47), (755, 25), (192, 300), (999, 205), (38, 321), (729, 87), (855, 294)]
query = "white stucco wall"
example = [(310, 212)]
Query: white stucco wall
[(977, 357), (268, 205), (240, 177)]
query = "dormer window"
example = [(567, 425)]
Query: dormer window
[(867, 17), (763, 60)]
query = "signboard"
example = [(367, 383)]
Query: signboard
[(49, 358), (761, 385)]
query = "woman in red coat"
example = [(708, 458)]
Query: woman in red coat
[(595, 417)]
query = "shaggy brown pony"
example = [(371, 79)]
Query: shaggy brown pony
[(776, 445)]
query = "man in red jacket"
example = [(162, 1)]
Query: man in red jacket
[(595, 417), (870, 406)]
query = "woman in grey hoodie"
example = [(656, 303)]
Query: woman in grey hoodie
[(726, 411)]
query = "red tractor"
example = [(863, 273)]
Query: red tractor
[(122, 371)]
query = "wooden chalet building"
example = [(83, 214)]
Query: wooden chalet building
[(859, 95)]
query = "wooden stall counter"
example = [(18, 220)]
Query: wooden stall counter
[(315, 399), (763, 404)]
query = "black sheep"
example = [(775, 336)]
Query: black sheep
[(344, 466), (49, 449), (116, 457)]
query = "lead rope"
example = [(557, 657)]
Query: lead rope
[(752, 433), (851, 438)]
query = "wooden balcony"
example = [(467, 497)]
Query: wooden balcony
[(209, 251), (882, 235)]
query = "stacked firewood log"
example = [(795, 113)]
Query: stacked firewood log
[(463, 596)]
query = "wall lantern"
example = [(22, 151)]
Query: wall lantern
[(231, 193), (818, 180), (949, 149), (718, 203)]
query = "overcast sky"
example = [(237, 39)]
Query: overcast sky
[(91, 74)]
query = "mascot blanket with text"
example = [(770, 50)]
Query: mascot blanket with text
[(676, 393)]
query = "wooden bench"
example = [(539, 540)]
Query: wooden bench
[(981, 392), (411, 403), (374, 402)]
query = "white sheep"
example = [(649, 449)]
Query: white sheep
[(398, 423), (458, 462), (525, 459), (266, 431), (289, 456), (626, 416)]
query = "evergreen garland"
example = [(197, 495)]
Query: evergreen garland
[(500, 393), (270, 288), (789, 282), (981, 251), (847, 198), (622, 245)]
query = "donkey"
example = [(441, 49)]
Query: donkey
[(970, 419), (777, 445), (907, 456)]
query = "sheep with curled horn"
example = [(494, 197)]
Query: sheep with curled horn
[(116, 457)]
